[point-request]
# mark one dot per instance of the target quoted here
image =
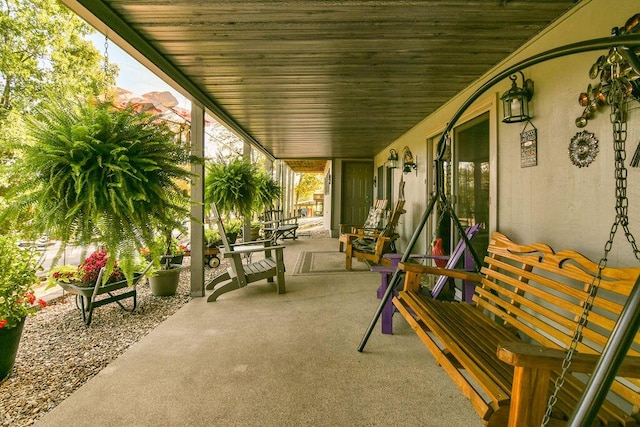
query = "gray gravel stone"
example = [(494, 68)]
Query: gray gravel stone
[(58, 353)]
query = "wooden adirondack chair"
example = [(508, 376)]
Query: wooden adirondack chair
[(371, 247), (240, 274), (386, 271), (275, 226), (372, 225)]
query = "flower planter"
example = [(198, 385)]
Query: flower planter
[(9, 342), (173, 259), (165, 282)]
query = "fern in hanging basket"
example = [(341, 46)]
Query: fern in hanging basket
[(100, 174), (231, 186)]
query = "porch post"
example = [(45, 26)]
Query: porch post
[(197, 202)]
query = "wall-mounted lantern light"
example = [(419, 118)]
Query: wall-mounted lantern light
[(409, 163), (515, 101), (392, 159)]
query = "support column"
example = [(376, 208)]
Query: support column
[(197, 202)]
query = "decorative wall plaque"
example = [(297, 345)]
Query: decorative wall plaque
[(583, 148), (529, 147)]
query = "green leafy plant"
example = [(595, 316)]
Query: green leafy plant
[(17, 278), (232, 225), (86, 273), (100, 174), (211, 237), (231, 186), (268, 190)]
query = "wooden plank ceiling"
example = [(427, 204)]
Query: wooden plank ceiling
[(326, 79)]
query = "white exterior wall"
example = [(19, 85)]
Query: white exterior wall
[(554, 202)]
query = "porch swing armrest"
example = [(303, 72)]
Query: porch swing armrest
[(417, 269), (534, 356)]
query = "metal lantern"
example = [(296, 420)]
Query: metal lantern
[(515, 101)]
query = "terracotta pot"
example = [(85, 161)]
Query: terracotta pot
[(9, 342)]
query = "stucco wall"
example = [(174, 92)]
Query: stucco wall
[(555, 201)]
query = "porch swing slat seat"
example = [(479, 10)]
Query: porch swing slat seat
[(505, 350)]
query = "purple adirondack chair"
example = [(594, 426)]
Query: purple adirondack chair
[(386, 272)]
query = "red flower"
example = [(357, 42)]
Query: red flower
[(42, 302), (30, 297), (3, 322)]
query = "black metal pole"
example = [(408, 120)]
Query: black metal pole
[(612, 357), (396, 275)]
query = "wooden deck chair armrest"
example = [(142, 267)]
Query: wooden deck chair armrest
[(418, 269), (252, 243), (537, 357), (251, 250)]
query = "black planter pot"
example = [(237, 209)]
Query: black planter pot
[(173, 259), (9, 342)]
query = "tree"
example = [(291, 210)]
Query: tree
[(308, 185), (43, 50)]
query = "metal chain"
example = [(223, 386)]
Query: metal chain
[(106, 67), (618, 97)]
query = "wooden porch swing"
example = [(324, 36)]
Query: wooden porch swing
[(524, 286)]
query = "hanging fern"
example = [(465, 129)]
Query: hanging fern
[(231, 186), (99, 174), (268, 191)]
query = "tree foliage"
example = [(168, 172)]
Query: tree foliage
[(308, 185), (44, 49)]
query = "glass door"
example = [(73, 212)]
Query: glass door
[(471, 178)]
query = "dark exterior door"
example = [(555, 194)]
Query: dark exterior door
[(357, 192)]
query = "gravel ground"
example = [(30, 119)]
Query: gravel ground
[(58, 353)]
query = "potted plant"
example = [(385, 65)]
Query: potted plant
[(86, 273), (17, 277), (232, 186), (256, 226), (267, 192), (212, 238), (164, 280), (97, 174), (232, 228)]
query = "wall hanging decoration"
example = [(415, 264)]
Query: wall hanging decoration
[(619, 77), (392, 159), (528, 146), (583, 148), (409, 162)]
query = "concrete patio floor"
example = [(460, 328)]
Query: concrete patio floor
[(256, 358)]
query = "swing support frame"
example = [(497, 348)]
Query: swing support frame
[(629, 321)]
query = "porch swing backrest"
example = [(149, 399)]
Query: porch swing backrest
[(527, 296)]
